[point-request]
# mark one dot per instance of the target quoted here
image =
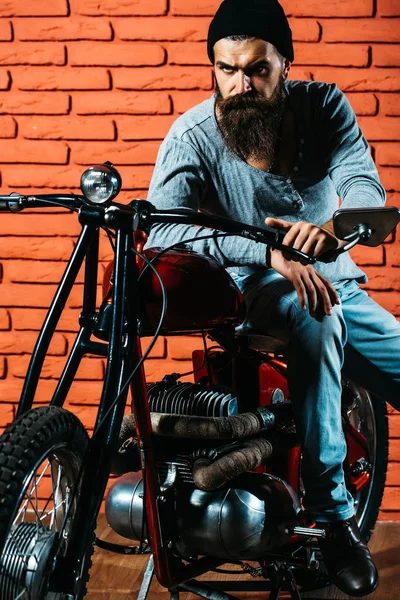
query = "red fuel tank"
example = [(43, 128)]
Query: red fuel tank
[(200, 293)]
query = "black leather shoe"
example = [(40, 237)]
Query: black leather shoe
[(347, 558)]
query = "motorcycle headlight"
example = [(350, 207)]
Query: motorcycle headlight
[(101, 183)]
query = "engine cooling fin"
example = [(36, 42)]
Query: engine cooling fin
[(191, 399)]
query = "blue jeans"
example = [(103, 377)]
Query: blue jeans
[(361, 338)]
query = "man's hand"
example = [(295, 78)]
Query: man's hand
[(310, 285), (306, 237)]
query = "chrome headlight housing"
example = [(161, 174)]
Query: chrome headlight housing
[(101, 183)]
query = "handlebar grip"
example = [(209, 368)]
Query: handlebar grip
[(6, 201), (17, 202)]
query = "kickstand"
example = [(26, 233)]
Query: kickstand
[(280, 575), (147, 579)]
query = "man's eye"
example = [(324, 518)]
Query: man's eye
[(227, 69), (261, 70)]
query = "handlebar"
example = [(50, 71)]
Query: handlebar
[(143, 215)]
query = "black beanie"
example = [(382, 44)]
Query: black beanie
[(262, 19)]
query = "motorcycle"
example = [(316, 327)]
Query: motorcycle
[(208, 472)]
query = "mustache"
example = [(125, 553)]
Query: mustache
[(251, 100)]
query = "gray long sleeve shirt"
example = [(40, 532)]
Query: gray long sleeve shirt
[(195, 170)]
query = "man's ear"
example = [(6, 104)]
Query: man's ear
[(286, 68)]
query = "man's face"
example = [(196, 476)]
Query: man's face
[(249, 66), (250, 96)]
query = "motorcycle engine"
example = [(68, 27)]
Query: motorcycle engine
[(243, 520)]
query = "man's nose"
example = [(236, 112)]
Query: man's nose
[(242, 83)]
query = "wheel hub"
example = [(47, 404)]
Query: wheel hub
[(26, 561)]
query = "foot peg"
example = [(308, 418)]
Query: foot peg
[(308, 532)]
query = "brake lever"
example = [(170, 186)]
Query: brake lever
[(304, 258)]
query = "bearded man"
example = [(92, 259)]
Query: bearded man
[(266, 149)]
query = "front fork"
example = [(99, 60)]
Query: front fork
[(95, 469)]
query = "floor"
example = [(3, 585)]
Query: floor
[(118, 577)]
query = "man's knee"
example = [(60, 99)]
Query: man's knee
[(321, 326)]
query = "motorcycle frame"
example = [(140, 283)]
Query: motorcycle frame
[(123, 353)]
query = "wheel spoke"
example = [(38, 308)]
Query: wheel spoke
[(23, 509), (35, 509), (29, 493), (50, 498), (21, 594), (55, 496), (53, 510)]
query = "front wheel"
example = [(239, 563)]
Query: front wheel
[(41, 454)]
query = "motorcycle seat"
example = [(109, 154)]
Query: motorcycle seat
[(276, 342)]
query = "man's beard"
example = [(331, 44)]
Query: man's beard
[(250, 123)]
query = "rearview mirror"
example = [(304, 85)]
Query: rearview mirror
[(372, 225)]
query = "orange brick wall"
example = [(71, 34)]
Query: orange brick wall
[(84, 81)]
